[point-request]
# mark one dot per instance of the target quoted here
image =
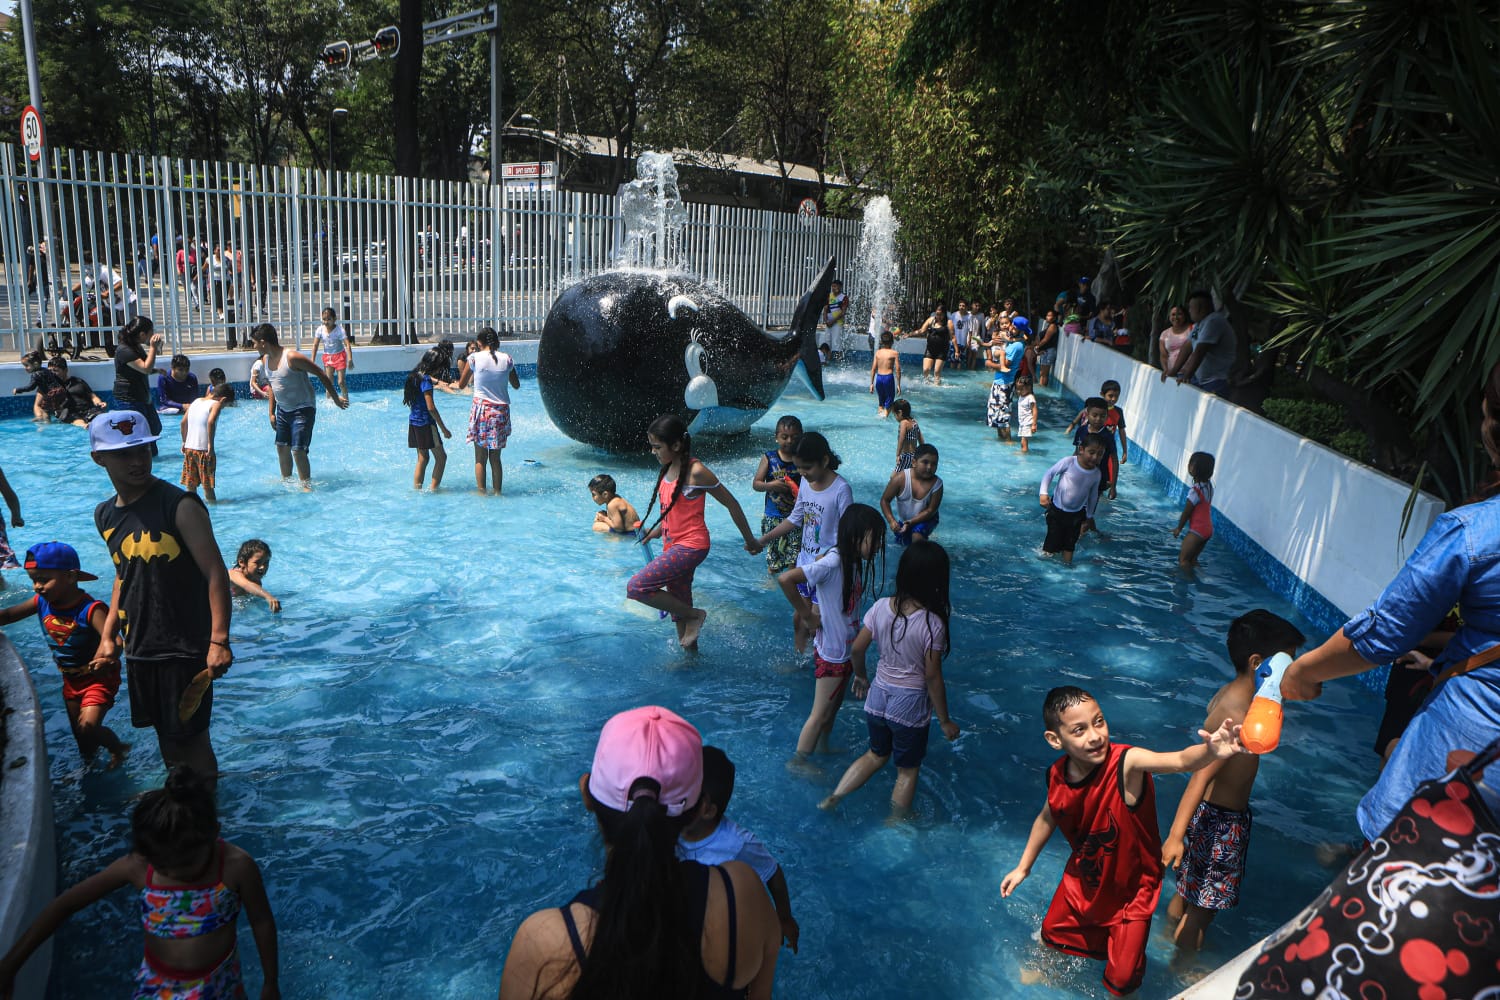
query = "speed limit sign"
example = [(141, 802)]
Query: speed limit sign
[(31, 132)]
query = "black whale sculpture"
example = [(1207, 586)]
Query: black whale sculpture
[(624, 347)]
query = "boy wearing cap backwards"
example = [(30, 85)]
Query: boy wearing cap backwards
[(72, 623), (1103, 797), (713, 838), (655, 926), (171, 593)]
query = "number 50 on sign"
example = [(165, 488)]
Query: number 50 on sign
[(31, 132)]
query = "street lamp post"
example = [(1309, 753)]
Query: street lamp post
[(334, 116)]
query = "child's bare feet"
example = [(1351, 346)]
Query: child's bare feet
[(1030, 976), (799, 764), (117, 757), (691, 626), (829, 803)]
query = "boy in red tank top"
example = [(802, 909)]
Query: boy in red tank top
[(1102, 796)]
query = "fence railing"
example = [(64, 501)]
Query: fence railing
[(208, 250)]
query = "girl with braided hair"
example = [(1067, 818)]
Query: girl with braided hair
[(666, 583)]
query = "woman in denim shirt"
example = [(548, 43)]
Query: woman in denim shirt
[(1456, 563)]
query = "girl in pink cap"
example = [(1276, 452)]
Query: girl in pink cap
[(655, 926)]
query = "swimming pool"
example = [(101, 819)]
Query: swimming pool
[(402, 743)]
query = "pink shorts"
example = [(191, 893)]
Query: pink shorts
[(336, 362)]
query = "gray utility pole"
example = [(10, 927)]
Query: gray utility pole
[(34, 83)]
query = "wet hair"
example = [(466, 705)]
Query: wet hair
[(902, 409), (646, 942), (789, 421), (173, 822), (924, 449), (444, 349), (886, 338), (181, 361), (57, 362), (1095, 441), (430, 365), (1201, 466), (861, 579), (1023, 382), (1260, 633), (265, 333), (671, 431), (250, 547), (718, 777), (488, 339), (1059, 700), (1096, 403), (602, 483), (216, 375), (1110, 385), (31, 359), (134, 329), (813, 447), (922, 579)]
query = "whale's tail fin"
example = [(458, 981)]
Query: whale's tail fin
[(805, 326)]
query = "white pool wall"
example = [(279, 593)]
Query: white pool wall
[(1334, 523), (28, 846)]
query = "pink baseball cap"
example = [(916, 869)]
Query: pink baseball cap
[(649, 742)]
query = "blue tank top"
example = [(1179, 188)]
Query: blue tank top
[(779, 504), (71, 639)]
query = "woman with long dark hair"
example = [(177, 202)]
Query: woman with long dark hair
[(135, 363), (493, 373), (654, 927)]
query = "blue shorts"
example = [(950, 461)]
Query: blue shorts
[(294, 427), (885, 390), (908, 742), (925, 528)]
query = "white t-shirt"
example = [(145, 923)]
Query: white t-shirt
[(491, 375), (258, 377), (903, 652), (196, 419), (104, 285), (730, 842), (1026, 414), (826, 575), (332, 341), (817, 513)]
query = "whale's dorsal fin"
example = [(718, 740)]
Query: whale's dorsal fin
[(805, 325)]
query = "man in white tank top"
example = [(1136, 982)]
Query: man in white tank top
[(293, 404)]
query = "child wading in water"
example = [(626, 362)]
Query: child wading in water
[(423, 418), (71, 621), (821, 501), (1070, 509), (885, 374), (666, 583), (917, 492), (251, 564), (1025, 412), (192, 888), (618, 516), (912, 630), (835, 583), (337, 347), (908, 434), (777, 478), (1196, 511)]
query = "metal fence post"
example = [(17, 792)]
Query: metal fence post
[(15, 256), (168, 265), (765, 271), (295, 282)]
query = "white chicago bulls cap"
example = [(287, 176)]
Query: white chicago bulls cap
[(118, 429)]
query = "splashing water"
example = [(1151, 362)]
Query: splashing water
[(653, 216), (879, 270)]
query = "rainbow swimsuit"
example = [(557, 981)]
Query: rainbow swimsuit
[(188, 911)]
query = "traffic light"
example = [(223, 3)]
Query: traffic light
[(337, 55), (387, 41)]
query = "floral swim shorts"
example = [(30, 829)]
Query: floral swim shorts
[(1214, 862)]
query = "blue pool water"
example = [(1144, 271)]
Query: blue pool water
[(402, 743)]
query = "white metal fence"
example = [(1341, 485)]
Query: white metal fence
[(208, 250)]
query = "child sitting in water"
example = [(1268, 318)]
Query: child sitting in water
[(218, 380), (251, 564), (712, 838), (1103, 797), (176, 390), (916, 492), (1210, 834), (192, 886), (71, 621), (618, 517)]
